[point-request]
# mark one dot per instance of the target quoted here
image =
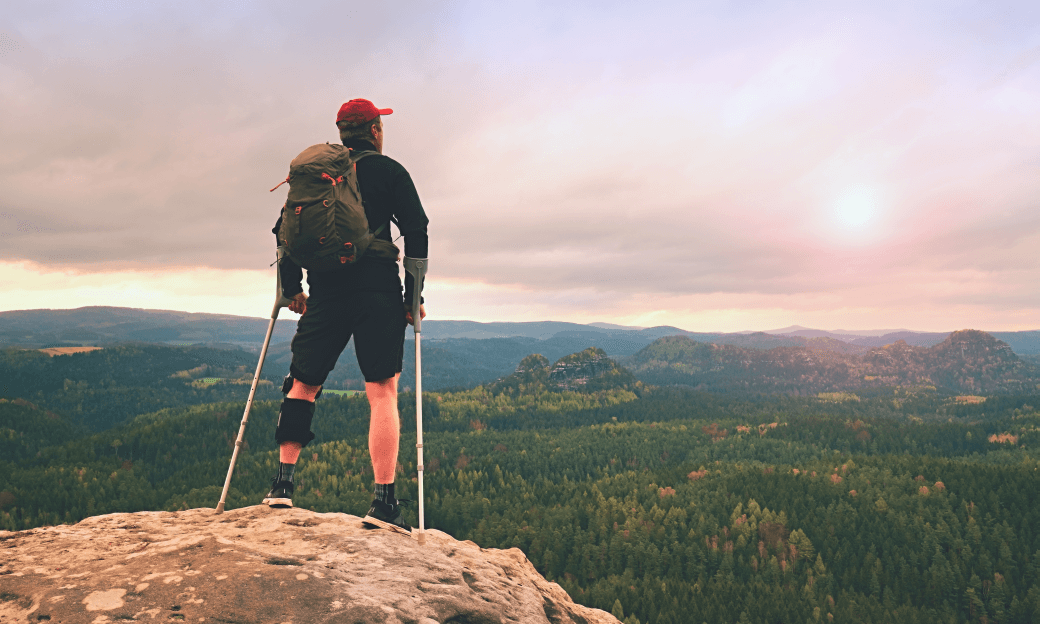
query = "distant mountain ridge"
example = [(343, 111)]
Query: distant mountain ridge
[(809, 332), (101, 325), (457, 354)]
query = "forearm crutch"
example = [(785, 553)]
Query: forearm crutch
[(279, 303), (417, 268)]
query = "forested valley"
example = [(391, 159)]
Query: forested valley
[(660, 504)]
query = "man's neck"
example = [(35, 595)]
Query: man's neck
[(360, 145)]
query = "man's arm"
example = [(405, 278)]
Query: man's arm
[(412, 222), (291, 276)]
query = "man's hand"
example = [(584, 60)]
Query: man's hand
[(298, 304), (408, 314)]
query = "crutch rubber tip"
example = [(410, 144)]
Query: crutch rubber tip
[(422, 539), (220, 507)]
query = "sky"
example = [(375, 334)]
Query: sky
[(715, 166)]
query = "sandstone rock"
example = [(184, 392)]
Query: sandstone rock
[(261, 565)]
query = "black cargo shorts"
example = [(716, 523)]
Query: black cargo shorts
[(375, 320)]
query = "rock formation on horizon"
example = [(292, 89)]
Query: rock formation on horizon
[(588, 371), (966, 361), (256, 564)]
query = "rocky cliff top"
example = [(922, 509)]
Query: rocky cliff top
[(261, 565)]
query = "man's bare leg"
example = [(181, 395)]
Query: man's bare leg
[(384, 435), (384, 431), (289, 452), (303, 391)]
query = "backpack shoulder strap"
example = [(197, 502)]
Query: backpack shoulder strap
[(385, 225), (356, 155)]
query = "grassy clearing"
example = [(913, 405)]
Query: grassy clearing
[(52, 351)]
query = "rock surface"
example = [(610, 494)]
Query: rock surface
[(261, 565)]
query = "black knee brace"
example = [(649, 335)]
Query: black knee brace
[(294, 422)]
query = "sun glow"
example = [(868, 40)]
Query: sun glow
[(856, 207)]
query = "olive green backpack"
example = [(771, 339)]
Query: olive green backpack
[(323, 226)]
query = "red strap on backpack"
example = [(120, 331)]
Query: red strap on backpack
[(280, 183)]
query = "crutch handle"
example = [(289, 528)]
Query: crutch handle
[(417, 268)]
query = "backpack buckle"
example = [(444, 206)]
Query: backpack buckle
[(299, 209)]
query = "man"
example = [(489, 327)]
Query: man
[(362, 300)]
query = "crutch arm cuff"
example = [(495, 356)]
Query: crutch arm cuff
[(416, 266)]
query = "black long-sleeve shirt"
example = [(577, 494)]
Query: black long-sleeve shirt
[(387, 191)]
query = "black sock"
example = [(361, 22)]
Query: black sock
[(285, 472), (385, 493)]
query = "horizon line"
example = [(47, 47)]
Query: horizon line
[(622, 326)]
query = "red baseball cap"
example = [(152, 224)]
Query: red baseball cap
[(359, 111)]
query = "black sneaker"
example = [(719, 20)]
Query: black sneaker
[(280, 495), (386, 516)]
